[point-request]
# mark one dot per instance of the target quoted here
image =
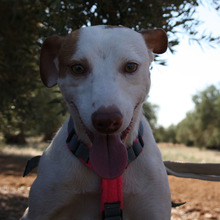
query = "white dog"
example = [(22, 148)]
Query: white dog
[(103, 74)]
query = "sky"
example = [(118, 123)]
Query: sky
[(190, 70)]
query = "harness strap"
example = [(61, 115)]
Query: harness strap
[(111, 199)]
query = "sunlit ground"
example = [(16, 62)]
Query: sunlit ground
[(180, 152)]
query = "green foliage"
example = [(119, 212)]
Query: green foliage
[(167, 135), (18, 78), (22, 105), (161, 134), (26, 23), (202, 126), (50, 115), (186, 130)]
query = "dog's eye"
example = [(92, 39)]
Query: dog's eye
[(130, 67), (78, 69)]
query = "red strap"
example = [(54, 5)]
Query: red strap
[(111, 191)]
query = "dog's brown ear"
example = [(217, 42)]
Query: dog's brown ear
[(49, 52), (156, 40)]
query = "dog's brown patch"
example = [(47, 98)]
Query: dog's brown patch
[(67, 50), (55, 47), (49, 53)]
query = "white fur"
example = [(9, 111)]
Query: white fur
[(65, 188)]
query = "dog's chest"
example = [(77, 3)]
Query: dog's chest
[(82, 206)]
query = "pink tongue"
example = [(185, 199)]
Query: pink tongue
[(108, 156)]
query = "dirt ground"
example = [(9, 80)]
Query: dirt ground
[(203, 198)]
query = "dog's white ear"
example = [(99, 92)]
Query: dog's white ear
[(156, 40), (49, 52)]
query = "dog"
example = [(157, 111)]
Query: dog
[(103, 74)]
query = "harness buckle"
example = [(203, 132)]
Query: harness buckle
[(112, 211)]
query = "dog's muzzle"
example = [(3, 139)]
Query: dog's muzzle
[(108, 154), (107, 121)]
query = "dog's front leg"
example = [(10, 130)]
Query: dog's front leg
[(59, 202), (44, 200)]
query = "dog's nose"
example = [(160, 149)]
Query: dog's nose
[(107, 120)]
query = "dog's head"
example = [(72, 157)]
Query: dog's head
[(103, 74)]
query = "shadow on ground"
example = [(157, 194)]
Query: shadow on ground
[(12, 207)]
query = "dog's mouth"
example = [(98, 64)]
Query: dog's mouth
[(108, 153)]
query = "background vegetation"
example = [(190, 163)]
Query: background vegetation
[(27, 108), (201, 127)]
